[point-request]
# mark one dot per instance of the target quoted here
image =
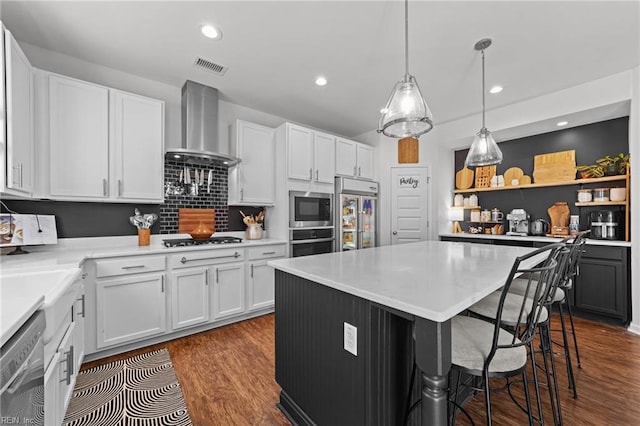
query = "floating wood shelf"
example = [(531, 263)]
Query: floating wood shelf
[(465, 207), (602, 203), (543, 185)]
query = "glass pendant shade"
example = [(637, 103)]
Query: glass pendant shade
[(406, 113), (484, 150)]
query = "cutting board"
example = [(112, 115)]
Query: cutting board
[(554, 167), (189, 219), (511, 174), (464, 178), (484, 175)]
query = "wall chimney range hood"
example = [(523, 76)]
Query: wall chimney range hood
[(200, 144)]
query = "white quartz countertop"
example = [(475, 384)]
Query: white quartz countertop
[(431, 279), (19, 302), (590, 241)]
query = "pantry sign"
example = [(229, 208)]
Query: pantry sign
[(409, 182)]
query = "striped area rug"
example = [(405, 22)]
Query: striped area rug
[(141, 390)]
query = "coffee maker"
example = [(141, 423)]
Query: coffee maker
[(518, 222)]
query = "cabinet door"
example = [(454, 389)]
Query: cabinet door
[(79, 138), (78, 339), (255, 175), (324, 154), (53, 414), (346, 157), (261, 285), (19, 115), (130, 308), (227, 298), (138, 142), (189, 297), (600, 287), (68, 371), (299, 153), (365, 161)]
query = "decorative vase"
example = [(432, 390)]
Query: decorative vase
[(144, 237)]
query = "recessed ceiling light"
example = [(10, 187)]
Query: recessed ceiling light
[(211, 32), (321, 81), (562, 123), (495, 89)]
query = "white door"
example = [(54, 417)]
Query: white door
[(346, 157), (409, 204), (261, 285), (299, 153), (365, 161), (189, 297), (138, 140), (228, 295), (324, 154), (257, 148)]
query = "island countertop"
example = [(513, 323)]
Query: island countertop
[(431, 279)]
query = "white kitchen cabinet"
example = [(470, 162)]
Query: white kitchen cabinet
[(137, 136), (228, 297), (64, 353), (252, 181), (102, 144), (310, 155), (78, 139), (261, 277), (17, 107), (130, 308), (189, 297), (354, 159)]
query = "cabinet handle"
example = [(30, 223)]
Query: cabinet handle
[(83, 310), (206, 277), (310, 174), (355, 170), (162, 284), (133, 267), (242, 194), (20, 166), (185, 260), (84, 275), (217, 275), (317, 172), (69, 365), (359, 171), (252, 270), (268, 252), (119, 188), (104, 187)]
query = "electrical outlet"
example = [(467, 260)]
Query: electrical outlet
[(351, 338)]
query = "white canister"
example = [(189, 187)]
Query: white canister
[(617, 194), (473, 200), (458, 200), (465, 201), (475, 215)]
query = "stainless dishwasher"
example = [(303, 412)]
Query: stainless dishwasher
[(22, 375)]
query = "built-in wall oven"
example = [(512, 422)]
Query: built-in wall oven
[(309, 241), (310, 223), (310, 209), (22, 375)]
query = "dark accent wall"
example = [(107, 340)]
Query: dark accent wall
[(590, 142)]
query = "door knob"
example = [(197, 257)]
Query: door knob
[(395, 232)]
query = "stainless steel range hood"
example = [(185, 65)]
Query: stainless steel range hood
[(200, 144)]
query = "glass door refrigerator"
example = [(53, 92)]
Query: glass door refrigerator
[(356, 214)]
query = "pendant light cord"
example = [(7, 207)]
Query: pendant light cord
[(483, 126), (406, 39)]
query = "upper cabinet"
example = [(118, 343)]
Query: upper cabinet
[(252, 181), (103, 144), (354, 159), (310, 155), (17, 108)]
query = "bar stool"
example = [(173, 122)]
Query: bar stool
[(499, 348), (526, 282)]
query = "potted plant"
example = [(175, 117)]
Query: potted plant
[(623, 163), (609, 165), (590, 171)]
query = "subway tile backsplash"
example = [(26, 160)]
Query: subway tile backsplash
[(215, 199)]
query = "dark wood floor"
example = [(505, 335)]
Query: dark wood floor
[(227, 377)]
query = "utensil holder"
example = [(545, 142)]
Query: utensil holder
[(144, 237), (254, 231)]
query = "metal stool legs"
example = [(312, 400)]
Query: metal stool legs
[(567, 351)]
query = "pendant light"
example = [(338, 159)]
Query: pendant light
[(484, 150), (406, 113)]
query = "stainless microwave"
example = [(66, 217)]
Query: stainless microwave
[(308, 209)]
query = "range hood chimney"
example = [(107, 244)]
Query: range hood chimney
[(200, 144)]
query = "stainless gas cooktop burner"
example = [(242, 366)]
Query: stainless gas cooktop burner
[(186, 242)]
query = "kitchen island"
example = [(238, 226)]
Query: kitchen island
[(400, 300)]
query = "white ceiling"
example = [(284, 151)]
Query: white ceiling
[(274, 50)]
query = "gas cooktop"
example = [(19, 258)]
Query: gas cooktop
[(186, 242)]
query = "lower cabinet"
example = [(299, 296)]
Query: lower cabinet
[(130, 308), (64, 354), (227, 297), (261, 277), (602, 286), (189, 297)]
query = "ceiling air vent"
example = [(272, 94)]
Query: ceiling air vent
[(210, 66)]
